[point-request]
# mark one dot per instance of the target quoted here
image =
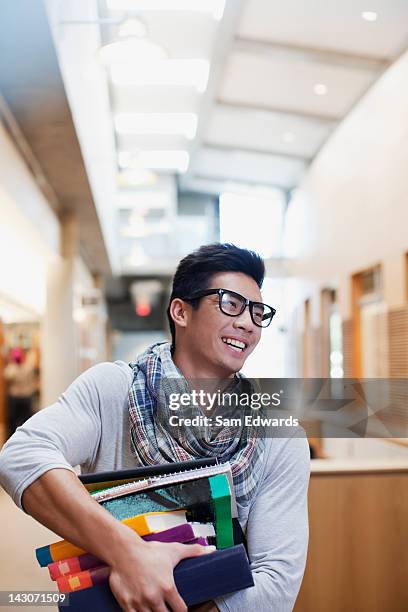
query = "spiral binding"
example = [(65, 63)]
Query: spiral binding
[(173, 477)]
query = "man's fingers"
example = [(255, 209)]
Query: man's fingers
[(175, 602), (160, 608), (184, 551)]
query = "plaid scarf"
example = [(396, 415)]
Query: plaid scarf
[(155, 442)]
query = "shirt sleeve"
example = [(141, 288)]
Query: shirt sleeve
[(277, 531), (63, 435)]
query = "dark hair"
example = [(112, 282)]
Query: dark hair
[(195, 271)]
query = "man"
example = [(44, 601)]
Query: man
[(111, 417)]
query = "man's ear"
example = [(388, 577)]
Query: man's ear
[(179, 312)]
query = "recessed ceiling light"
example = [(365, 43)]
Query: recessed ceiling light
[(289, 137), (122, 50), (184, 124), (320, 89), (213, 7), (175, 72), (369, 15), (171, 160)]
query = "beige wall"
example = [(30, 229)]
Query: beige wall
[(351, 211), (41, 271), (29, 232)]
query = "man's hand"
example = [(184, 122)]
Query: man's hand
[(142, 576)]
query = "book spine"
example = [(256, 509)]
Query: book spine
[(83, 580), (202, 541), (221, 497), (74, 565), (58, 551), (96, 575)]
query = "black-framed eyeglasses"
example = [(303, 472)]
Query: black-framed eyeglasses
[(233, 304)]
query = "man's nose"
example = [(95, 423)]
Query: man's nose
[(244, 321)]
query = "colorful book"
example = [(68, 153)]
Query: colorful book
[(221, 497), (143, 524), (206, 499), (191, 533), (197, 579), (98, 565)]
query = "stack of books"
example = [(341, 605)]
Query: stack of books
[(191, 502)]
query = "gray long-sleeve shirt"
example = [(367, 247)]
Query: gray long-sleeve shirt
[(89, 426)]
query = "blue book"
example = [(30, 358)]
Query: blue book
[(198, 579)]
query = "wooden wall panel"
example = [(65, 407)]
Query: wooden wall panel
[(358, 553), (347, 332), (312, 351), (398, 342), (398, 366)]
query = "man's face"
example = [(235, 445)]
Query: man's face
[(209, 328)]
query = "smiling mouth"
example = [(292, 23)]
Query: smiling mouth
[(237, 345)]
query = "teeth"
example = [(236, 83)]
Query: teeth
[(236, 344)]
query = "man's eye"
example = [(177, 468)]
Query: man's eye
[(232, 304), (258, 313)]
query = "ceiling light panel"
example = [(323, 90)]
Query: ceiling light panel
[(369, 16), (150, 142), (120, 52), (215, 8), (155, 100), (184, 124), (176, 161), (177, 72)]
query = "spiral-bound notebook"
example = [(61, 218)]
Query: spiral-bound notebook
[(102, 480), (111, 485)]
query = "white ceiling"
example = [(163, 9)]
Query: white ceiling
[(265, 100), (261, 120), (329, 24)]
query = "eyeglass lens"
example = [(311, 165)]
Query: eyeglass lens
[(234, 305)]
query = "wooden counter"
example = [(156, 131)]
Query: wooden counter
[(358, 549)]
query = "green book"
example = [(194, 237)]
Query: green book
[(221, 497)]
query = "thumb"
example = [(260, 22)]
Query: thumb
[(184, 551)]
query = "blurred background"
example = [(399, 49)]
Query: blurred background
[(134, 131)]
